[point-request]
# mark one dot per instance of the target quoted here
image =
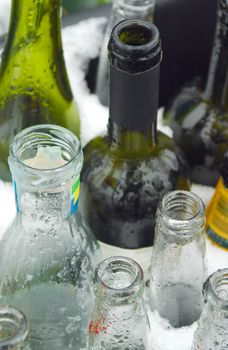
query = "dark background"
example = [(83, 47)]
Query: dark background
[(186, 28)]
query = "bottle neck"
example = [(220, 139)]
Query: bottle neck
[(217, 83), (119, 295), (141, 9), (31, 18), (132, 127), (181, 217)]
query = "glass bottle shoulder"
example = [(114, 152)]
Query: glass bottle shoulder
[(161, 164)]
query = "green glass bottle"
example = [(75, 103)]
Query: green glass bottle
[(200, 119), (34, 86), (126, 172)]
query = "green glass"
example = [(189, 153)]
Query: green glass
[(34, 86), (198, 118), (126, 172)]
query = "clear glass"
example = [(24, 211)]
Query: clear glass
[(47, 255), (121, 9), (119, 319), (212, 330), (14, 329), (178, 267)]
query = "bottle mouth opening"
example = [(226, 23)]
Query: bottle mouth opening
[(181, 206), (138, 35), (119, 276), (135, 46), (27, 143), (218, 283), (135, 35), (14, 328)]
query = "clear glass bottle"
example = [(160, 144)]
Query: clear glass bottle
[(199, 119), (121, 9), (178, 267), (217, 211), (34, 86), (119, 319), (212, 330), (47, 256), (126, 172), (13, 329)]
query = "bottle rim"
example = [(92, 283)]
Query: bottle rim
[(216, 288), (13, 317), (135, 4), (106, 275), (27, 142), (135, 46), (152, 41), (182, 211)]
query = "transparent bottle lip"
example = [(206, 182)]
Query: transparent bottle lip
[(43, 135), (13, 316), (215, 285), (133, 4), (181, 195), (112, 263)]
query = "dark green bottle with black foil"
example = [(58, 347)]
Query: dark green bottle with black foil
[(199, 119), (126, 172)]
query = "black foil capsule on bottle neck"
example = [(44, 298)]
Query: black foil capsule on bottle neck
[(135, 55)]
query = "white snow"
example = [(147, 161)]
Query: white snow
[(81, 43)]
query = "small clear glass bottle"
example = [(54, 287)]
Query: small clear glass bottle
[(48, 254), (212, 330), (121, 9), (178, 267), (119, 319), (13, 329)]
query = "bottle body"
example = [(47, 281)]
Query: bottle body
[(178, 267), (122, 194), (34, 84), (119, 318), (126, 173), (199, 119), (212, 329), (121, 9), (48, 254)]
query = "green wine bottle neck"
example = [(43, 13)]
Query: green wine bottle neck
[(217, 84), (34, 47), (135, 55), (128, 142), (30, 19)]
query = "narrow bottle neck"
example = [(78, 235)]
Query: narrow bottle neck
[(181, 217), (36, 23), (132, 125), (217, 83)]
